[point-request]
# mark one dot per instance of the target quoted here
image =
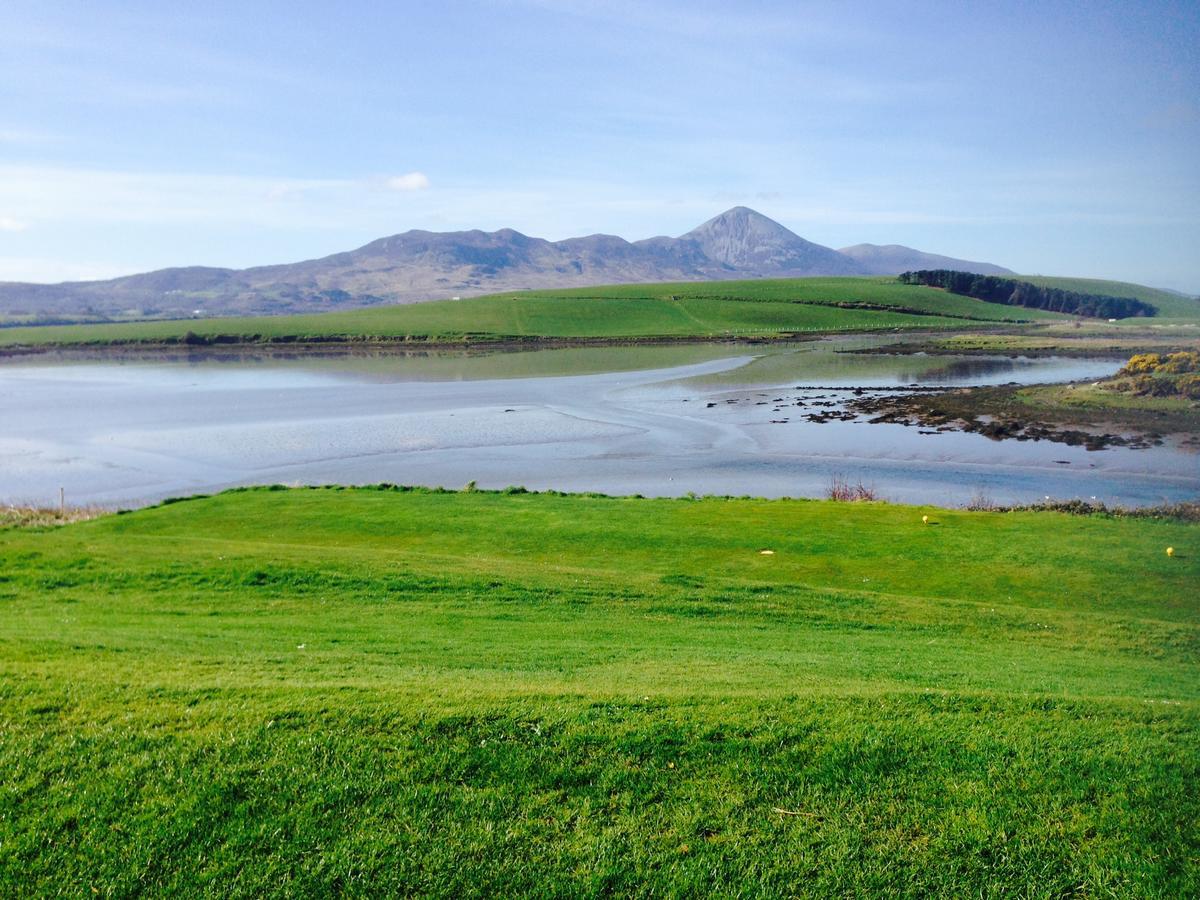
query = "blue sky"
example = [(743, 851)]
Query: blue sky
[(1051, 137)]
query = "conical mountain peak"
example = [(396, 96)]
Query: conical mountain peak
[(743, 238), (740, 220)]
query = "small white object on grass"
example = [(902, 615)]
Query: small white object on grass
[(1170, 551), (925, 519), (766, 552)]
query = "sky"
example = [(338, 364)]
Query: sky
[(1052, 137)]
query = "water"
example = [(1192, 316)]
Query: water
[(136, 429)]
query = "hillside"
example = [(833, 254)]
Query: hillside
[(685, 310), (893, 259), (387, 692), (422, 265), (1169, 304)]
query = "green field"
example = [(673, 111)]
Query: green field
[(306, 692), (709, 309)]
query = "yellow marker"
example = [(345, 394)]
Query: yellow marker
[(1170, 551), (925, 519)]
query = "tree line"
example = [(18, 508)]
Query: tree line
[(993, 289)]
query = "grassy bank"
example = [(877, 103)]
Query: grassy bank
[(1096, 404), (705, 310), (1088, 340), (300, 692)]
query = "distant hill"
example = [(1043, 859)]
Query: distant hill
[(892, 259), (1170, 304), (424, 265)]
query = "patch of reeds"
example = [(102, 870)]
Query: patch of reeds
[(842, 490), (980, 501), (45, 516)]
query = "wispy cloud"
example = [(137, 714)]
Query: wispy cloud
[(82, 196), (60, 195), (412, 181), (47, 270)]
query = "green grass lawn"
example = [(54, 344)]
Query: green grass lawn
[(304, 692), (709, 309)]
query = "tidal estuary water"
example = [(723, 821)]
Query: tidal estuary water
[(667, 420)]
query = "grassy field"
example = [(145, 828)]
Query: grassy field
[(302, 692), (710, 309)]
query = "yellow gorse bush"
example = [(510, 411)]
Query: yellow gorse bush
[(1142, 364)]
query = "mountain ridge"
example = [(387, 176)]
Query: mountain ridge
[(891, 259), (418, 265)]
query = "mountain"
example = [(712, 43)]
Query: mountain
[(892, 259), (747, 241), (424, 265)]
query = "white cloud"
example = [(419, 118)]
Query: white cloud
[(7, 223), (413, 181)]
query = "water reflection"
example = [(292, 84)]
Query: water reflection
[(960, 369), (396, 363)]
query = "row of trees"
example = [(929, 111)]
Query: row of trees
[(1010, 292)]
